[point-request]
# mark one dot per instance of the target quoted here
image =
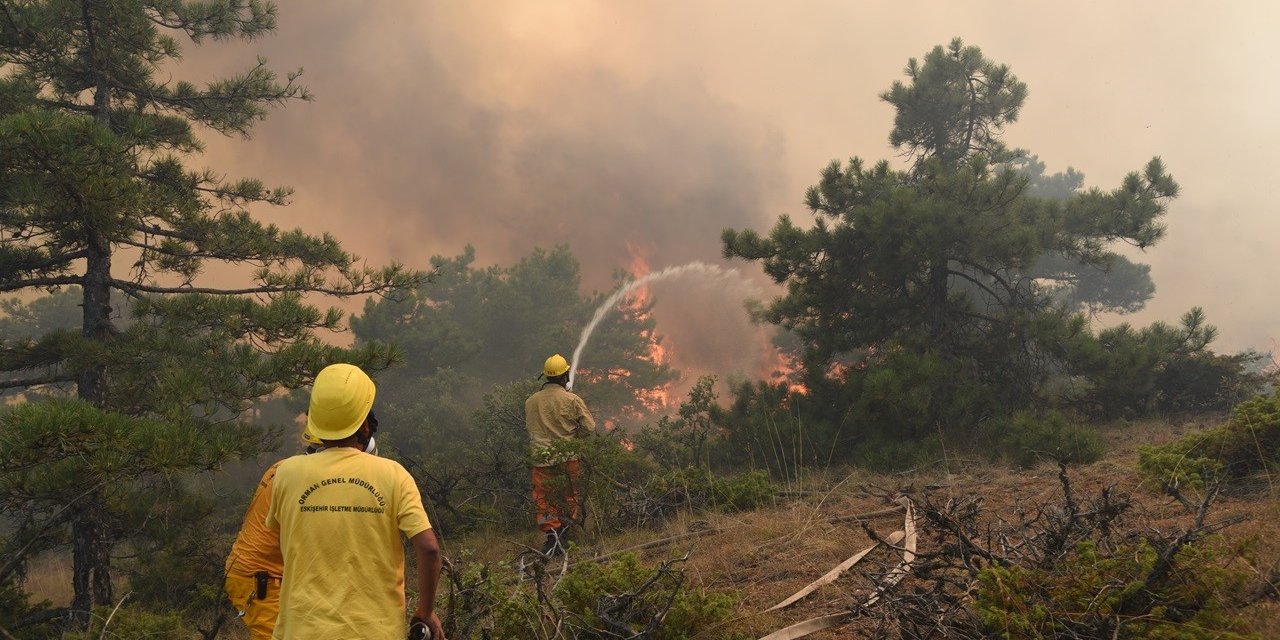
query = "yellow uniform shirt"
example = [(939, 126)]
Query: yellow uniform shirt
[(552, 414), (257, 548), (340, 514)]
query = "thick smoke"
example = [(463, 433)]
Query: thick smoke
[(427, 135), (513, 124)]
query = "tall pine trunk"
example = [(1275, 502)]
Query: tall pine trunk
[(91, 544), (90, 540)]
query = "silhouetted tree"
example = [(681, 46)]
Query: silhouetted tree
[(1112, 284)]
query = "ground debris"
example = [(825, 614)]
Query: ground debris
[(973, 559)]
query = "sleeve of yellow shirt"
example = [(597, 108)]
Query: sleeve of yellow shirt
[(272, 521), (411, 517)]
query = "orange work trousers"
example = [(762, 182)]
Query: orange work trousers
[(259, 614), (555, 487)]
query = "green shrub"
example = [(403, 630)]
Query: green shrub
[(1248, 442), (1184, 462), (686, 439), (628, 593), (15, 604), (699, 489), (885, 453), (134, 623), (626, 490), (633, 594), (1162, 368), (1206, 381), (1023, 439), (1093, 593), (478, 597)]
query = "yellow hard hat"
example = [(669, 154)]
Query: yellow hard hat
[(554, 366), (340, 400)]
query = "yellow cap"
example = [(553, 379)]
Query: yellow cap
[(340, 400), (554, 366)]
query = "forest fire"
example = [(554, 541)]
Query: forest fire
[(786, 369), (655, 398), (752, 350)]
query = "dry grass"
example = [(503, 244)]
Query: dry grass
[(49, 578), (770, 553)]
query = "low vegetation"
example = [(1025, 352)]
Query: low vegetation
[(1248, 442), (620, 598)]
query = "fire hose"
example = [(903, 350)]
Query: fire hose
[(419, 630)]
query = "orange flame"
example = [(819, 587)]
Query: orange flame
[(786, 369), (658, 353), (638, 267), (639, 264)]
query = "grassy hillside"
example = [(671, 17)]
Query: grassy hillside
[(763, 556), (741, 564)]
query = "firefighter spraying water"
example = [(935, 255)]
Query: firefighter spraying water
[(554, 415)]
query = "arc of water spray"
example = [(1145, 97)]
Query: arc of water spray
[(669, 272)]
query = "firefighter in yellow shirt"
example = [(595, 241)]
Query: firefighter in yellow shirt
[(340, 513), (255, 567), (552, 414)]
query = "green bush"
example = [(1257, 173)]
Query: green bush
[(476, 597), (133, 623), (1093, 593), (1206, 381), (884, 453), (768, 426), (698, 489), (1023, 439), (628, 593), (1248, 442), (626, 490), (633, 594), (686, 439), (15, 604), (1131, 372)]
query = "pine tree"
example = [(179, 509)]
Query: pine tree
[(932, 270), (96, 192)]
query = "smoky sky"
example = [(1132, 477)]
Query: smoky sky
[(645, 128)]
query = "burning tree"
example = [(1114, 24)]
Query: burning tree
[(96, 197), (936, 268)]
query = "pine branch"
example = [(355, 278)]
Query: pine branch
[(156, 230), (51, 281), (36, 381), (979, 284), (136, 288), (48, 263)]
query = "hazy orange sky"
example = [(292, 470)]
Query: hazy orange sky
[(515, 124)]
